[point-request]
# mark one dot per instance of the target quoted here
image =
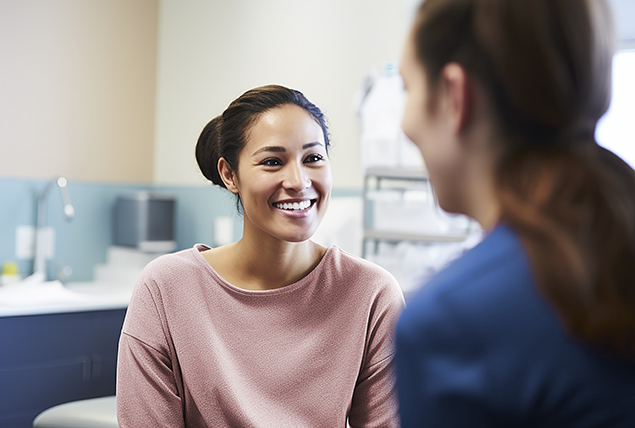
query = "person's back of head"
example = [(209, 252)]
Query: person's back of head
[(545, 69)]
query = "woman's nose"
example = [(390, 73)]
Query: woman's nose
[(295, 178)]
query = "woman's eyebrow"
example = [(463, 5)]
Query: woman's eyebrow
[(316, 143), (278, 149)]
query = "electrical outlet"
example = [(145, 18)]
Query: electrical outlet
[(25, 242), (223, 231)]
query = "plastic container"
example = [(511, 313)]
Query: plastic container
[(9, 274)]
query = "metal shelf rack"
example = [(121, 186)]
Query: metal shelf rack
[(381, 175)]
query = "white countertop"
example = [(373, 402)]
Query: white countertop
[(53, 297)]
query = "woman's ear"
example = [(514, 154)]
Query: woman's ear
[(227, 175), (459, 102)]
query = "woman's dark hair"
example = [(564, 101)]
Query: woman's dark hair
[(225, 135), (545, 66)]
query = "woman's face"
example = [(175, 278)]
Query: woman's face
[(425, 124), (284, 175)]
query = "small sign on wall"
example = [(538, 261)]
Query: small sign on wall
[(25, 242)]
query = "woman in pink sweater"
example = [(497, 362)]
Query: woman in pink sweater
[(273, 330)]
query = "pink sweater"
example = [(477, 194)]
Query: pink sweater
[(196, 351)]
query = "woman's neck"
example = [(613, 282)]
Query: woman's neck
[(481, 156), (258, 263), (485, 207), (272, 263)]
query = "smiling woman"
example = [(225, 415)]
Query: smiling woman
[(273, 330)]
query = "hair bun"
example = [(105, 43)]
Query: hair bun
[(207, 151)]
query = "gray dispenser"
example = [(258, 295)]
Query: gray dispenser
[(145, 221)]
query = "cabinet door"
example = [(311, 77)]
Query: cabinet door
[(27, 388), (47, 360)]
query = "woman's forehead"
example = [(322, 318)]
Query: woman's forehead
[(285, 125)]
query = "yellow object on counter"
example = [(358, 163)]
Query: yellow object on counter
[(9, 273), (10, 268)]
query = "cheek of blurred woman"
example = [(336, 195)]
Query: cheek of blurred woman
[(424, 124)]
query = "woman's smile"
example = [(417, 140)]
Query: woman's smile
[(295, 207)]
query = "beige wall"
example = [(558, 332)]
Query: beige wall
[(212, 51), (77, 88), (78, 78)]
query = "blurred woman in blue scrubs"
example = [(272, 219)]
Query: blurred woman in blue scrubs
[(536, 325)]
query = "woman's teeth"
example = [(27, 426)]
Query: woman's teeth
[(295, 206)]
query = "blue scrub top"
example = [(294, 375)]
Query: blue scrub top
[(479, 347)]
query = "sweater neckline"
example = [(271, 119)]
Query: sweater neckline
[(308, 278)]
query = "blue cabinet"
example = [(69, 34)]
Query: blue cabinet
[(51, 359)]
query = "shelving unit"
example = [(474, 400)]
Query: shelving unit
[(396, 175)]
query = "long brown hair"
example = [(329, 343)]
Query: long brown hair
[(546, 68)]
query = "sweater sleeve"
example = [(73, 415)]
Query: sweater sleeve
[(374, 401), (147, 393)]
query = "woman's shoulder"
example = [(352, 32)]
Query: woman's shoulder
[(172, 278), (489, 289), (176, 266), (497, 260), (345, 263), (344, 267)]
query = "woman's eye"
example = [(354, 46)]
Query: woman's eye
[(271, 162), (313, 158)]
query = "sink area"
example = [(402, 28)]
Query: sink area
[(35, 294), (29, 293), (29, 298)]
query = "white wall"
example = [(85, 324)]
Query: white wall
[(624, 21), (209, 52)]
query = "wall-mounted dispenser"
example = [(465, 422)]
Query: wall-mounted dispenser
[(145, 221)]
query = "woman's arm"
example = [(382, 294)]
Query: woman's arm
[(147, 392), (374, 401)]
